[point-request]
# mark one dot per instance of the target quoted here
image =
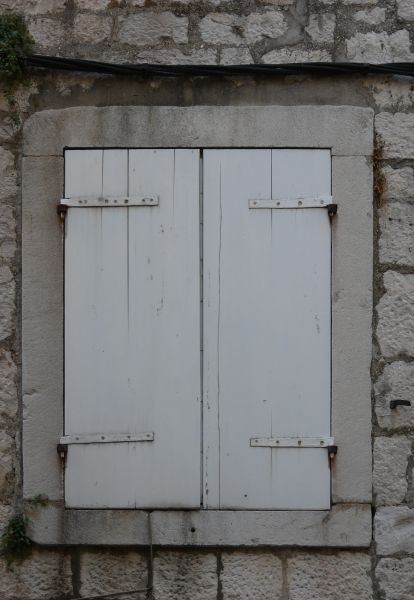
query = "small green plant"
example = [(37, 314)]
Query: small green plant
[(15, 43), (15, 545), (39, 500)]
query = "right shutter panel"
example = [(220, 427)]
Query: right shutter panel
[(267, 339)]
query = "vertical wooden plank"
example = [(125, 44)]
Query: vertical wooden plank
[(96, 398), (301, 478), (301, 172), (270, 347), (230, 178), (165, 323), (83, 172)]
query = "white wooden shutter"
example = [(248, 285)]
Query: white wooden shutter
[(267, 338), (132, 328)]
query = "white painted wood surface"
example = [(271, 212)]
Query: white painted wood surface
[(266, 329), (132, 334), (132, 329)]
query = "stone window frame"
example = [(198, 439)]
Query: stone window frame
[(348, 132)]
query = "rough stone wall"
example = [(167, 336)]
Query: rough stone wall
[(226, 32)]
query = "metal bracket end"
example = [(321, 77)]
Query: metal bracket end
[(62, 450), (61, 210), (332, 210), (332, 451)]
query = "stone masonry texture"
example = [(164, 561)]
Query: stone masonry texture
[(231, 32)]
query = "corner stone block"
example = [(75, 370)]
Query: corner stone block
[(106, 571), (395, 383), (397, 133), (395, 578), (396, 315), (394, 530), (390, 469), (248, 575), (187, 576), (345, 575)]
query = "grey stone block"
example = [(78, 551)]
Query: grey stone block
[(7, 302), (345, 129), (396, 315), (251, 576), (343, 576), (151, 28), (394, 530), (390, 469), (399, 182), (395, 383), (395, 578), (379, 47), (92, 29), (397, 133), (396, 243), (343, 526), (8, 174), (405, 10), (44, 575), (105, 571), (185, 576)]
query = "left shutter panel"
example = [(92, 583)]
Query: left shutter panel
[(132, 330)]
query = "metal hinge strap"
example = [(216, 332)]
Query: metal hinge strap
[(299, 202), (106, 438), (109, 201), (292, 442)]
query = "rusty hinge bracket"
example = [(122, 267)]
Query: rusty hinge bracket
[(61, 210), (332, 210), (332, 451), (62, 450)]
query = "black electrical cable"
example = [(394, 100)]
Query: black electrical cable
[(401, 69)]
